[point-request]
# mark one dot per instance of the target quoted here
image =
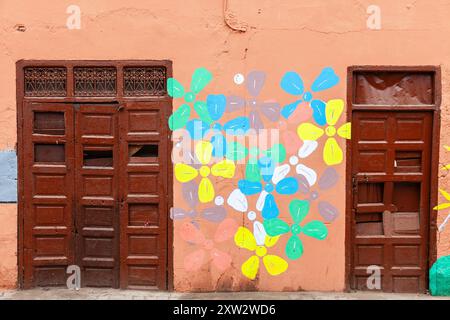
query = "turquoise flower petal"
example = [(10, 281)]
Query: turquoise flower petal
[(249, 187), (200, 78), (289, 109), (270, 208), (319, 116), (292, 83), (325, 80), (216, 105), (287, 186), (237, 126), (197, 128)]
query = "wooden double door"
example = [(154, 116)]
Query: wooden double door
[(95, 194)]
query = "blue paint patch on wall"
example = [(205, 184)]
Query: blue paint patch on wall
[(8, 176)]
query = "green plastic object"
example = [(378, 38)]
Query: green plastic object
[(440, 277)]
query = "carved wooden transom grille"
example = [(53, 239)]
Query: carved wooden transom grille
[(144, 81), (95, 81), (45, 82)]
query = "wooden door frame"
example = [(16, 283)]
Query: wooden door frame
[(434, 174), (71, 98)]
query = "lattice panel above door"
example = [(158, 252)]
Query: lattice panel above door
[(95, 81), (45, 82), (144, 81)]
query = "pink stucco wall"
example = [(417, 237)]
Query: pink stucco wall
[(229, 37)]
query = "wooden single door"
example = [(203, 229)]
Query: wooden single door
[(144, 195), (391, 157), (48, 193), (97, 194)]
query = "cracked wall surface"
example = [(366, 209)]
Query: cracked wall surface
[(242, 36)]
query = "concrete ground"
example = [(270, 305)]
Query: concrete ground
[(114, 294)]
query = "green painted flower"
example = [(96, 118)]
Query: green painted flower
[(299, 210), (200, 78)]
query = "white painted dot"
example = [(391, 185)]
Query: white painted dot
[(293, 160), (251, 215), (239, 78), (178, 145), (219, 201)]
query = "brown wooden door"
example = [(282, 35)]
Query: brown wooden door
[(391, 159), (97, 194), (48, 157), (144, 194)]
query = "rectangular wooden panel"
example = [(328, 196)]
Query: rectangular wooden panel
[(144, 157), (394, 88), (97, 197)]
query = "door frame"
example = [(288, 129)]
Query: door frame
[(434, 175), (70, 97)]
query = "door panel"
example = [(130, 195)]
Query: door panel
[(48, 193), (144, 193), (97, 181), (391, 183)]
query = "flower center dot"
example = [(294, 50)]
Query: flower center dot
[(307, 96), (189, 97), (204, 171), (296, 229), (269, 187), (261, 251), (330, 131)]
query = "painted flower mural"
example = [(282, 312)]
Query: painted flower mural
[(270, 110), (332, 152), (213, 213), (200, 79), (266, 183), (292, 83), (237, 152), (299, 210), (185, 173), (274, 180), (275, 265), (218, 258), (444, 205), (327, 180)]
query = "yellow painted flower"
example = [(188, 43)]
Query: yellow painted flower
[(186, 173), (275, 265), (332, 152), (447, 166), (446, 204)]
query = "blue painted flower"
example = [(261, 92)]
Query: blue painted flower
[(209, 121), (292, 83), (274, 180)]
